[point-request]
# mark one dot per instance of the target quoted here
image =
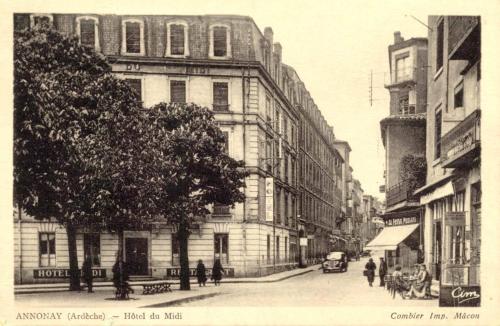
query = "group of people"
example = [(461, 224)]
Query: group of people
[(121, 275), (418, 288)]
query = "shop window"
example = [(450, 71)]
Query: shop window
[(440, 45), (456, 244), (178, 91), (136, 85), (220, 96), (286, 249), (220, 45), (277, 248), (47, 249), (87, 30), (221, 247), (175, 250), (92, 247), (133, 40), (177, 39)]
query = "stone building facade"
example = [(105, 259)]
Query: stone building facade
[(270, 121)]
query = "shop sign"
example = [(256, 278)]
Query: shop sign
[(64, 273), (460, 296), (176, 272), (456, 218), (269, 199), (401, 221), (303, 242)]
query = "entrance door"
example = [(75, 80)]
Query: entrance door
[(137, 255)]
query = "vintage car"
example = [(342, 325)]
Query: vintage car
[(335, 261)]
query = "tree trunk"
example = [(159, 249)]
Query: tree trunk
[(74, 272), (183, 235), (123, 294)]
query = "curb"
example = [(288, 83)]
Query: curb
[(182, 300), (64, 288)]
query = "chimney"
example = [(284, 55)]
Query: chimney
[(268, 34), (397, 37), (277, 49)]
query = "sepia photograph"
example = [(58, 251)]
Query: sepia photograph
[(248, 162)]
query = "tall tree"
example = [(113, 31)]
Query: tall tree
[(197, 169), (58, 100)]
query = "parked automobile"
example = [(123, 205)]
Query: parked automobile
[(335, 261), (366, 253)]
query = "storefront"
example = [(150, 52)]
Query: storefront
[(400, 241)]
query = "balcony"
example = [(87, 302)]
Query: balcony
[(399, 193), (461, 145), (464, 37)]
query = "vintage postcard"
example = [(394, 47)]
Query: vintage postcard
[(249, 163)]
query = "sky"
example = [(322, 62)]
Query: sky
[(333, 45)]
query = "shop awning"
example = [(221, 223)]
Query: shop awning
[(390, 237), (439, 192)]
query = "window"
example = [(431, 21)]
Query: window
[(221, 247), (92, 247), (269, 156), (439, 45), (292, 175), (403, 69), (277, 118), (47, 249), (268, 249), (286, 217), (276, 157), (221, 210), (177, 39), (175, 250), (220, 45), (285, 158), (277, 209), (221, 96), (40, 19), (226, 141), (133, 37), (285, 128), (136, 86), (294, 215), (86, 29), (268, 110), (437, 135), (177, 91), (403, 105), (457, 244), (459, 96)]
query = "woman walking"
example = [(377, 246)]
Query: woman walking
[(201, 273), (87, 273), (370, 268), (217, 271)]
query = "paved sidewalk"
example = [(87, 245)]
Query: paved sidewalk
[(58, 293)]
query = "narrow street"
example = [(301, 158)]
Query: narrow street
[(312, 289)]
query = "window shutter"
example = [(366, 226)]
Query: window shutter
[(87, 32), (220, 41), (177, 39), (136, 85), (178, 91), (221, 97), (133, 37)]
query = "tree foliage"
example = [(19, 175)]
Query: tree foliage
[(413, 169)]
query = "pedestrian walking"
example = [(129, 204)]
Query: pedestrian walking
[(382, 271), (120, 278), (217, 272), (87, 273), (201, 273), (370, 268)]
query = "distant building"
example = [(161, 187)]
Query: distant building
[(403, 136), (452, 193)]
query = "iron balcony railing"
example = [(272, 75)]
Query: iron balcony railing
[(461, 144), (400, 192)]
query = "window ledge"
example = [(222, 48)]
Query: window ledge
[(438, 73), (227, 57), (436, 162), (132, 54), (181, 56)]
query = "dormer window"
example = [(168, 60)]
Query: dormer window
[(133, 37), (220, 44), (41, 19), (177, 39), (87, 31)]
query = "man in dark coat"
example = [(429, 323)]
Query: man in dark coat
[(382, 271), (370, 268), (217, 271), (201, 273), (87, 272)]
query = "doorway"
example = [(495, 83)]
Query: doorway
[(136, 255)]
